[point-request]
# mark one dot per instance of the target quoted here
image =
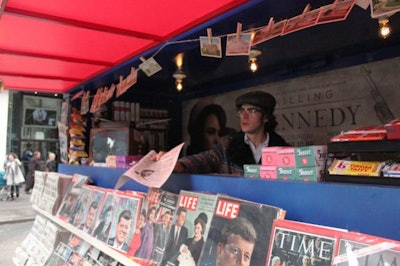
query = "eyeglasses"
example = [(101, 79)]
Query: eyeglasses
[(249, 111)]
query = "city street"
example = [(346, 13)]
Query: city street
[(12, 235)]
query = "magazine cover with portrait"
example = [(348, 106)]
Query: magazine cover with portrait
[(124, 221), (104, 217), (190, 228), (297, 243), (240, 230), (362, 249), (163, 222), (70, 201), (90, 213)]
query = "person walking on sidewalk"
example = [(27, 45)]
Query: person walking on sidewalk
[(34, 165), (13, 175)]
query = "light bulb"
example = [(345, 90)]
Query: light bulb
[(253, 59), (384, 28), (384, 31), (253, 66), (179, 85)]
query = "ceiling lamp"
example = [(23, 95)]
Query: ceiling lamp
[(179, 75), (384, 27), (253, 59)]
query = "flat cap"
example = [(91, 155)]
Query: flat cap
[(258, 98)]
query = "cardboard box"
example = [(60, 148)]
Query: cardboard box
[(393, 131), (268, 172), (278, 156), (286, 173), (269, 156), (286, 157), (311, 155), (313, 173), (251, 170)]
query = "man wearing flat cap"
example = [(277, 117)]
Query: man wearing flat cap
[(257, 122)]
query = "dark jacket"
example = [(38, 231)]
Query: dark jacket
[(227, 157)]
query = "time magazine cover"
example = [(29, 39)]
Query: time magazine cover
[(123, 223), (296, 243)]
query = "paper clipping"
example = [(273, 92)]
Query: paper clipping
[(149, 172)]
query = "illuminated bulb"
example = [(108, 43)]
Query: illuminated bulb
[(179, 76), (253, 59), (384, 28), (253, 66), (179, 85)]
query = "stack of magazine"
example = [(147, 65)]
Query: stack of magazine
[(190, 228)]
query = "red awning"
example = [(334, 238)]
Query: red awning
[(53, 46)]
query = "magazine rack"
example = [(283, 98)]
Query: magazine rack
[(91, 240), (369, 209)]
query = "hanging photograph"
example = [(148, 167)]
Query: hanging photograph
[(337, 11), (40, 112), (238, 44), (268, 32), (384, 7), (305, 20), (211, 47), (150, 67)]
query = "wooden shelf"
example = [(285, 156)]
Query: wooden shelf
[(91, 240)]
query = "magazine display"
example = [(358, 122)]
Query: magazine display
[(165, 213), (242, 225), (124, 221), (296, 243), (362, 249), (70, 202), (105, 216), (40, 182), (77, 215), (146, 224), (190, 228), (40, 242), (56, 186), (90, 210)]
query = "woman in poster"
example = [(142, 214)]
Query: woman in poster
[(193, 246)]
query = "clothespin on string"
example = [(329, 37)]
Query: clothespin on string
[(209, 35), (238, 31)]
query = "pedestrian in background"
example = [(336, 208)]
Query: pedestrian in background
[(27, 156), (13, 175), (51, 164), (34, 165)]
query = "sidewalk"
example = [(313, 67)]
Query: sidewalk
[(17, 210)]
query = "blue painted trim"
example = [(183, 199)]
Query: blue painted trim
[(368, 209)]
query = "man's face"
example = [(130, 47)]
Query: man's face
[(90, 217), (251, 119), (166, 218), (123, 228), (181, 219), (236, 251)]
